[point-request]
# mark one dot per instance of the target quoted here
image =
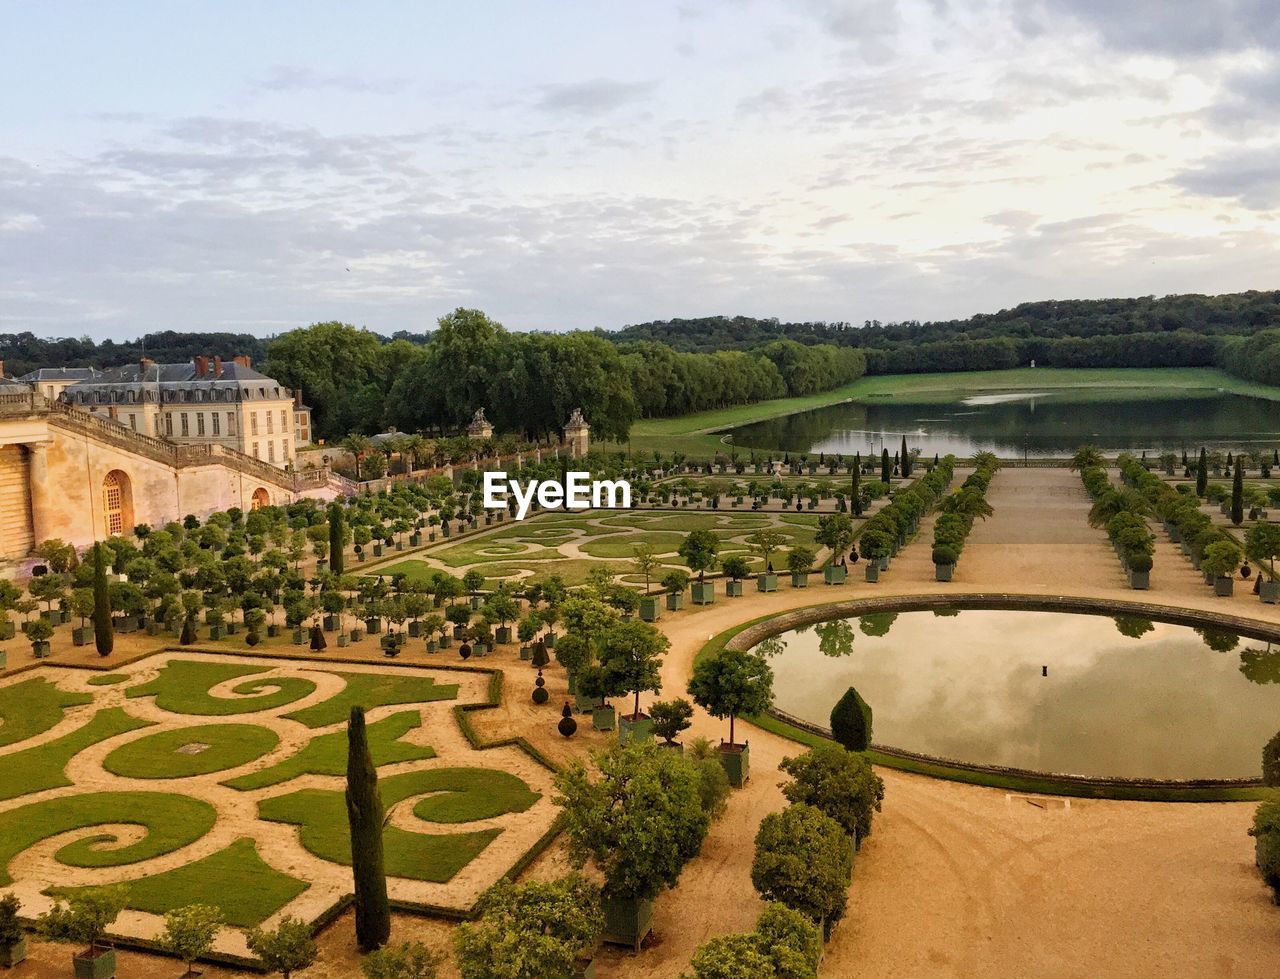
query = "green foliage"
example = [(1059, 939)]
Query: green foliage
[(732, 683), (699, 551), (670, 718), (1221, 559), (851, 721), (189, 932), (10, 928), (784, 945), (839, 782), (366, 815), (408, 960), (640, 822), (531, 930), (158, 756), (103, 628), (1271, 762), (800, 560), (735, 567), (31, 707), (1262, 543), (632, 659), (81, 920), (286, 949), (43, 766), (804, 860)]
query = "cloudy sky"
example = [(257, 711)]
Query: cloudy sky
[(251, 166)]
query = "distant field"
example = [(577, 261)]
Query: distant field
[(693, 434)]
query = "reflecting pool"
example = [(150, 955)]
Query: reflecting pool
[(1047, 691), (1050, 423)]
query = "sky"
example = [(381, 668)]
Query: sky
[(256, 167)]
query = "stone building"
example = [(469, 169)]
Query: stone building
[(577, 434), (52, 381), (204, 402)]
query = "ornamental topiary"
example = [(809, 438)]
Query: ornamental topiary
[(851, 721)]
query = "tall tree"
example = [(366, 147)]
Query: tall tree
[(1237, 495), (906, 459), (104, 635), (886, 468), (855, 493), (1202, 474), (365, 815), (337, 537)]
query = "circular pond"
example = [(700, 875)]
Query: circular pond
[(1053, 692)]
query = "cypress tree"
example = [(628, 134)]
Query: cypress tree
[(906, 459), (1237, 496), (856, 490), (886, 471), (851, 721), (1202, 474), (104, 633), (337, 531), (366, 815)]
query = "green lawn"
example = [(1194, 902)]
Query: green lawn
[(327, 754), (44, 766), (183, 688), (107, 679), (171, 821), (693, 434), (158, 755), (235, 880), (370, 690), (321, 816), (31, 707)]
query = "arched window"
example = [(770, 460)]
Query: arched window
[(117, 502), (261, 498)]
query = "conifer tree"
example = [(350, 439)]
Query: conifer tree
[(906, 459), (366, 815), (886, 470), (1202, 474), (104, 635), (337, 533), (851, 721), (855, 497), (1237, 495)]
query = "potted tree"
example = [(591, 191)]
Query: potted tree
[(526, 632), (873, 545), (735, 568), (39, 632), (333, 602), (13, 940), (1219, 564), (632, 663), (945, 557), (669, 719), (82, 605), (699, 551), (597, 686), (640, 822), (432, 627), (799, 562), (189, 933), (1262, 543), (644, 563), (81, 920), (674, 582), (472, 582), (731, 683), (835, 531), (765, 542)]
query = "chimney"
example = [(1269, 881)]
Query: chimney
[(297, 393), (217, 367), (1, 368), (202, 366), (145, 363), (243, 361)]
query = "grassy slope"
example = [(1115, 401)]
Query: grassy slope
[(692, 433)]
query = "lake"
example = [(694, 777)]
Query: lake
[(1047, 691), (1050, 423)]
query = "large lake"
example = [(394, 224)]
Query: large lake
[(1040, 423), (1127, 698)]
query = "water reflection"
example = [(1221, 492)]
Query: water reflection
[(1048, 423), (1123, 697)]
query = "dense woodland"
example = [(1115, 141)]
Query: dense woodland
[(360, 381)]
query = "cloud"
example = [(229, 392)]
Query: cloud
[(292, 78), (1250, 176), (869, 27), (1161, 27), (596, 96)]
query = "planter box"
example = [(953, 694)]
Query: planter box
[(299, 637), (357, 634), (650, 609), (582, 703), (215, 632), (399, 545), (273, 630), (1224, 587), (82, 635), (53, 616), (377, 550), (415, 630), (704, 593), (4, 659), (675, 602), (322, 565), (445, 642), (602, 718), (373, 626), (343, 640), (884, 563), (127, 623), (526, 653), (360, 556), (873, 571), (330, 623), (800, 580), (943, 572), (627, 921), (40, 650), (11, 955), (733, 589), (102, 965), (1140, 580), (476, 603), (415, 540), (1269, 592), (736, 759), (431, 535), (835, 574), (502, 635), (637, 729), (549, 640), (766, 582), (7, 630), (1175, 534)]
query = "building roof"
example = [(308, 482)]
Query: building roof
[(61, 374), (9, 384), (225, 381)]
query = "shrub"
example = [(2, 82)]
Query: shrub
[(288, 949), (804, 860), (1271, 762), (408, 960), (670, 717), (851, 721), (839, 782)]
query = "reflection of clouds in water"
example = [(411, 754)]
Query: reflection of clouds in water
[(970, 688)]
